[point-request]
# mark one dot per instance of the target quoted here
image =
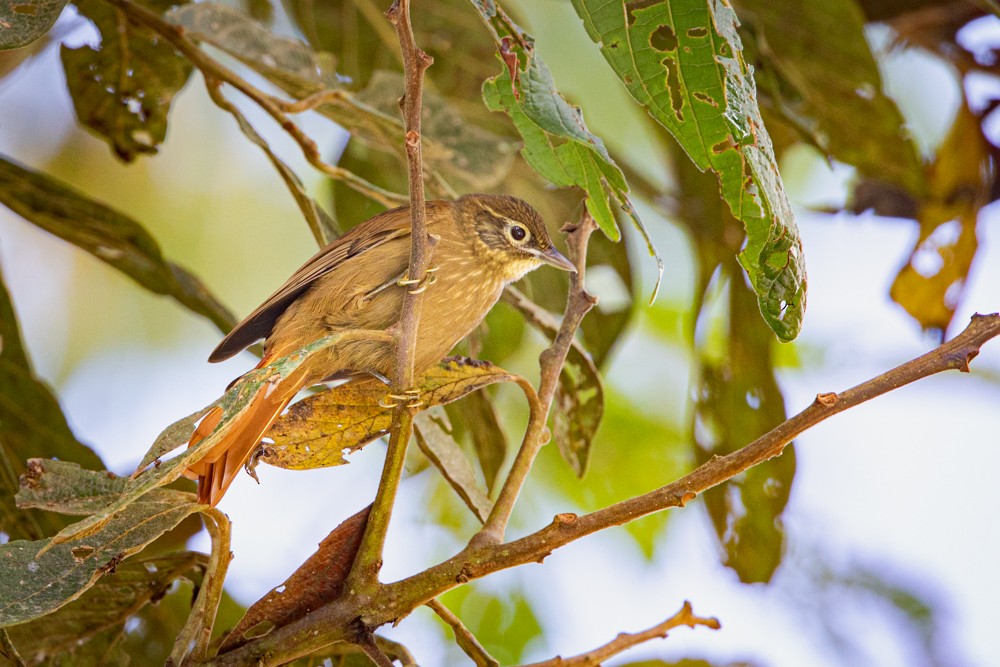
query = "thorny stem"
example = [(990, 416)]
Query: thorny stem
[(363, 578), (274, 107), (331, 623), (551, 362)]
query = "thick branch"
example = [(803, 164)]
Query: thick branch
[(364, 575), (396, 600)]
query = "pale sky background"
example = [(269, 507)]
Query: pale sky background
[(903, 485)]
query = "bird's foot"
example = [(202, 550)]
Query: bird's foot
[(420, 285)]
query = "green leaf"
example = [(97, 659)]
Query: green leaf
[(738, 400), (107, 234), (122, 90), (577, 409), (317, 431), (92, 625), (66, 488), (24, 21), (557, 143), (31, 425), (435, 439), (45, 575), (682, 61), (475, 420), (833, 81), (503, 625)]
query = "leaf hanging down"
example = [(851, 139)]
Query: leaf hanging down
[(436, 441), (557, 143), (450, 147), (24, 21), (317, 431), (107, 234), (31, 425), (45, 574), (683, 62), (931, 284), (831, 82), (316, 582), (78, 628), (122, 90)]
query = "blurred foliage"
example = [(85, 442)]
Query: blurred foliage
[(709, 78)]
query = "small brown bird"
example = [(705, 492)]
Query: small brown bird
[(483, 243)]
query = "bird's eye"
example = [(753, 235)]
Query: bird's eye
[(518, 233)]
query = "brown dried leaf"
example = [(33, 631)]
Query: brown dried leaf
[(317, 581), (435, 439), (317, 431)]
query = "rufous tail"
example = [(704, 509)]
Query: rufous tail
[(217, 470)]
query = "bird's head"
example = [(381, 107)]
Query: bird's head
[(510, 235)]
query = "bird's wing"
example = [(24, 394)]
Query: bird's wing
[(369, 234)]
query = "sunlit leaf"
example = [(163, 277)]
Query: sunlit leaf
[(92, 625), (682, 61), (24, 21), (316, 582), (107, 234), (931, 285), (317, 431), (835, 81), (122, 89), (44, 575), (435, 439), (737, 400), (31, 425)]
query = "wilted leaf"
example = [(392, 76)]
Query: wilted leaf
[(90, 623), (107, 234), (682, 61), (477, 417), (316, 431), (835, 82), (43, 575), (122, 90), (316, 582), (31, 425), (435, 439), (737, 400), (577, 409), (24, 21), (931, 285)]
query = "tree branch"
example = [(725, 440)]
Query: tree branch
[(626, 640), (463, 637), (363, 578), (578, 304), (396, 600)]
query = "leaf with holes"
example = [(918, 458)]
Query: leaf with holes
[(24, 21), (122, 90), (931, 284), (317, 431), (682, 61), (101, 612)]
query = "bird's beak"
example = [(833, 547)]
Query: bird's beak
[(552, 256)]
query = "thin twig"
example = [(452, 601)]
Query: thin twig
[(331, 622), (367, 644), (627, 640), (578, 304), (193, 640), (175, 36), (363, 578), (463, 636)]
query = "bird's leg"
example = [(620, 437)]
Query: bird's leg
[(410, 398), (422, 284)]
